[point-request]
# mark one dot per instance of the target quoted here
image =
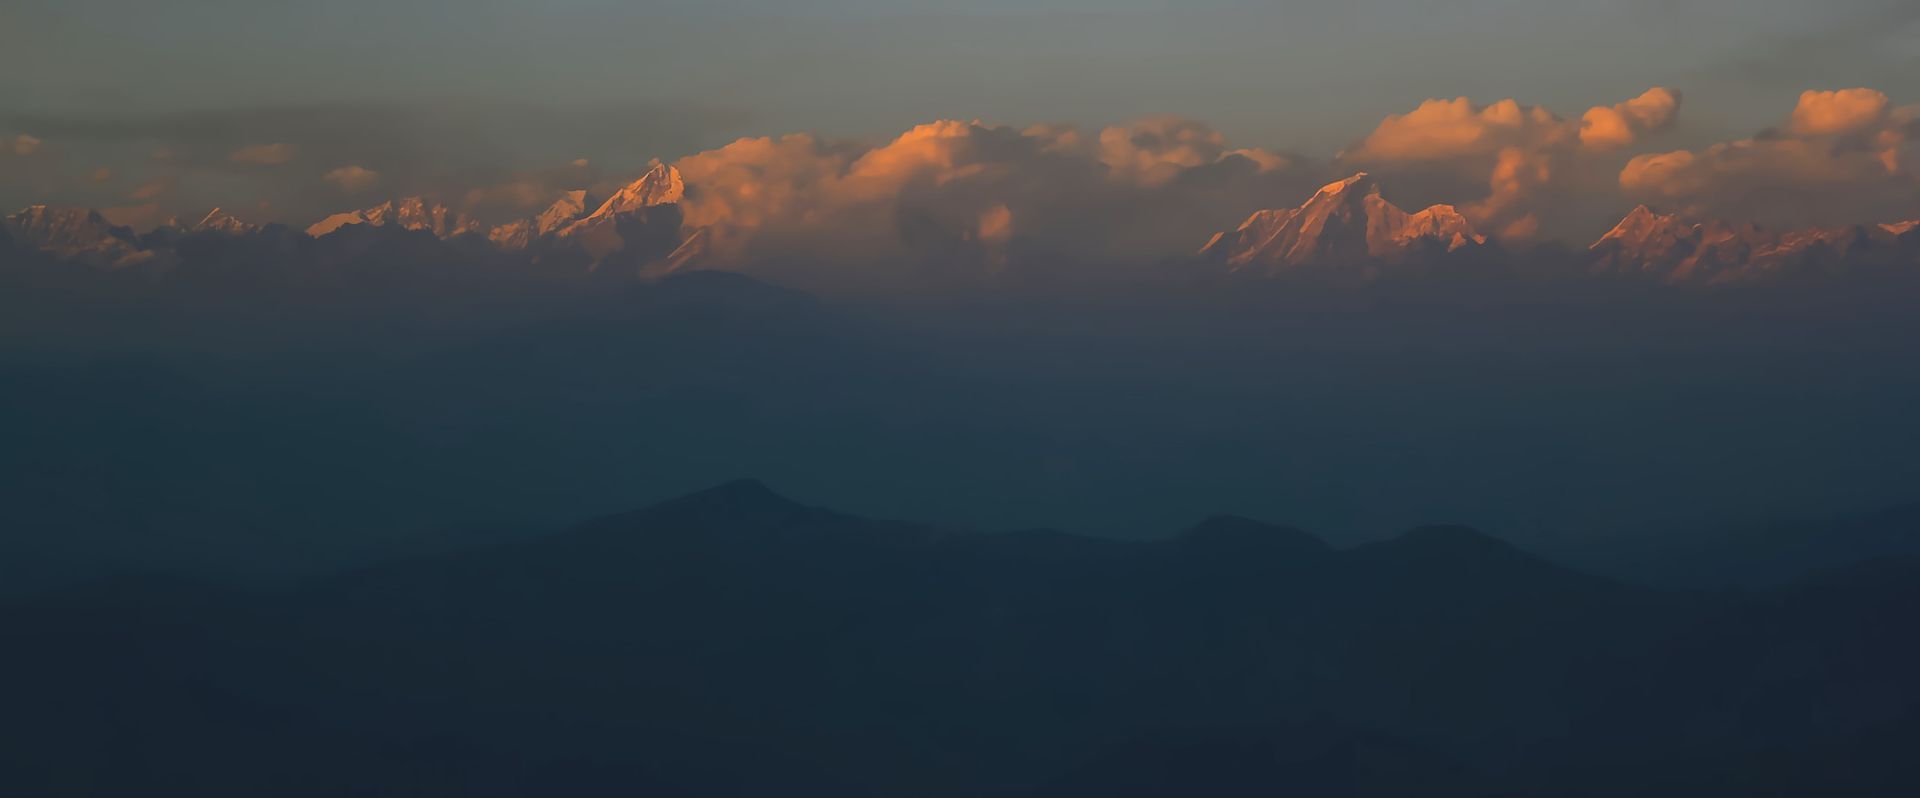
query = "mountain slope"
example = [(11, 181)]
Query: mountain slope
[(1669, 249), (410, 213), (76, 234), (1346, 223)]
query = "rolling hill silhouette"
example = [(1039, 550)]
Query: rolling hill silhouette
[(735, 642)]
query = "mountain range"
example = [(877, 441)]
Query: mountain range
[(1711, 251), (1346, 229), (734, 642)]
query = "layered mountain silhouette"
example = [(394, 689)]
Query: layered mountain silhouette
[(734, 642)]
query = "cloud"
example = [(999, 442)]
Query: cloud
[(1508, 164), (1443, 129), (1830, 113), (24, 145), (951, 191), (1625, 123), (1156, 150), (153, 189), (352, 178), (996, 226), (264, 154), (1841, 156)]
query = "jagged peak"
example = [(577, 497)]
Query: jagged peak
[(1360, 188), (41, 213), (564, 210), (413, 212), (1345, 221), (1361, 180), (1640, 223), (661, 185), (218, 220)]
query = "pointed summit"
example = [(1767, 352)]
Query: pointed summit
[(661, 185), (1345, 222), (219, 221), (638, 225), (524, 233), (1642, 224)]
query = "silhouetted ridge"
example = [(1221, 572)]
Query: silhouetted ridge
[(1235, 534), (1460, 561), (740, 495), (1452, 537), (1452, 549), (734, 643), (743, 507), (746, 514)]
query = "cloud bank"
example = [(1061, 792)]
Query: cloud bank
[(1840, 156), (1506, 164), (963, 193)]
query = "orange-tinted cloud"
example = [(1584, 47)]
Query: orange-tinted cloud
[(152, 189), (352, 178), (1842, 156), (951, 187), (996, 225), (1828, 113), (1520, 161), (1611, 128), (1441, 129), (1158, 149), (264, 154)]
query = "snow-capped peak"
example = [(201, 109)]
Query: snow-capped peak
[(661, 185), (219, 221), (1346, 221), (77, 234), (411, 213)]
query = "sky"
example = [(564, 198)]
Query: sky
[(153, 104)]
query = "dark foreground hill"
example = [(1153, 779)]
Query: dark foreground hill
[(734, 643)]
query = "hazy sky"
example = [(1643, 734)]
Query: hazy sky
[(490, 85)]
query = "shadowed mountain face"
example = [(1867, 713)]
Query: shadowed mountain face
[(733, 642)]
